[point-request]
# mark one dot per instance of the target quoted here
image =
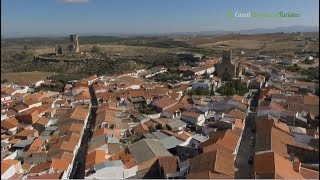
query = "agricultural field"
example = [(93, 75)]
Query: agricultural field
[(26, 77)]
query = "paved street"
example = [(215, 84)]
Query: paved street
[(78, 170), (244, 169)]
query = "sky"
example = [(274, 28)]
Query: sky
[(32, 17)]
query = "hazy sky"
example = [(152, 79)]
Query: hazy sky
[(147, 16)]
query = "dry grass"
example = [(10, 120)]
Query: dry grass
[(26, 77), (125, 50), (235, 44)]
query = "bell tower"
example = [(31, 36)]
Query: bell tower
[(226, 57)]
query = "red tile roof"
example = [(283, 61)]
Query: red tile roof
[(46, 176), (165, 102)]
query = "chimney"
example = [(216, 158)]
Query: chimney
[(296, 165)]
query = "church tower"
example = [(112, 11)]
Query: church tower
[(226, 57)]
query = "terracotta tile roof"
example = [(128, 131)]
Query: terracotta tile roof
[(291, 89), (10, 162), (115, 157), (47, 176), (47, 100), (141, 129), (282, 126), (173, 109), (40, 167), (264, 163), (129, 164), (83, 95), (269, 137), (81, 85), (30, 102), (230, 139), (35, 96), (79, 113), (72, 137), (26, 166), (149, 123), (95, 157), (273, 91), (237, 98), (190, 114), (42, 121), (4, 168), (8, 90), (66, 156), (182, 136), (136, 92), (165, 102), (311, 100), (74, 127), (59, 164), (68, 146), (216, 78), (37, 143), (217, 161), (224, 140), (9, 123), (90, 78), (239, 123), (309, 173), (303, 83), (26, 133), (14, 141), (273, 163), (168, 164), (116, 133), (214, 137), (11, 112), (20, 107), (236, 113)]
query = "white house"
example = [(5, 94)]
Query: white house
[(201, 84), (8, 171), (38, 83), (108, 170), (301, 135), (192, 117), (5, 97)]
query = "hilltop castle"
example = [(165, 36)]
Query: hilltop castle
[(72, 48)]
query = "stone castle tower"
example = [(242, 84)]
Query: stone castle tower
[(72, 47), (74, 43)]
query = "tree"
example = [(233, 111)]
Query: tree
[(95, 49), (233, 87)]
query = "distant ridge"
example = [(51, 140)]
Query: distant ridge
[(288, 29)]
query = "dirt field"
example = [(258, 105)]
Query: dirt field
[(25, 77)]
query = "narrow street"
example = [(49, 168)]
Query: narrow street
[(244, 168), (78, 170)]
